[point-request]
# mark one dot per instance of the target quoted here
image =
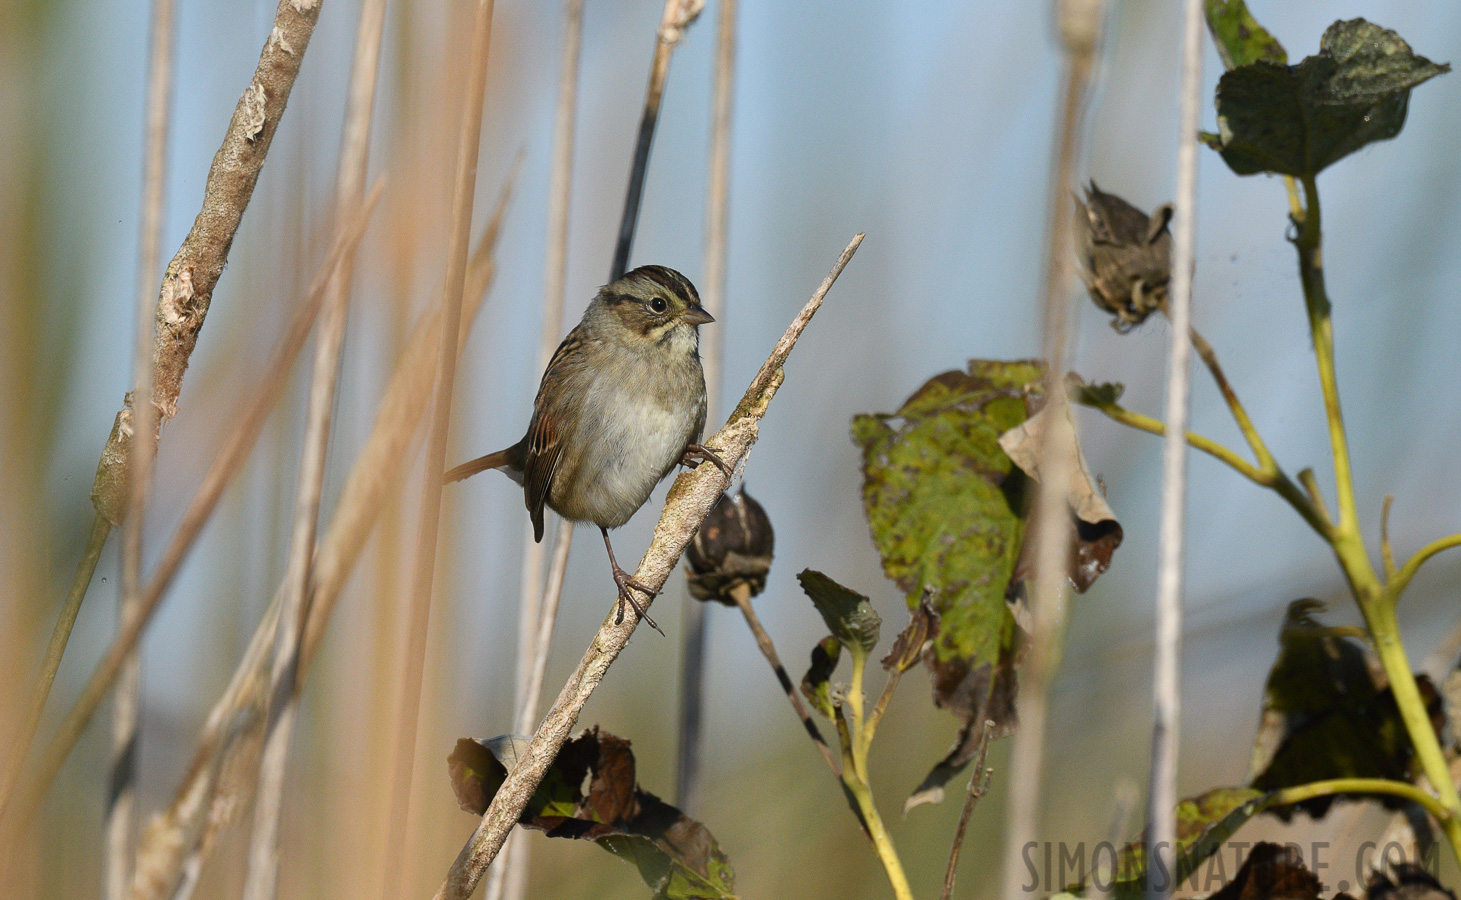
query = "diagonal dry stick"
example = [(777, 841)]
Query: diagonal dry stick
[(177, 841), (121, 812), (689, 500), (105, 673)]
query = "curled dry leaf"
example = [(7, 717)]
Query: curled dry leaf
[(817, 683), (1271, 871), (915, 639), (1097, 534), (675, 855), (1125, 255)]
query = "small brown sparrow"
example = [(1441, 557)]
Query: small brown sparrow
[(621, 404)]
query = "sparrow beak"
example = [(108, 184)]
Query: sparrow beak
[(696, 315)]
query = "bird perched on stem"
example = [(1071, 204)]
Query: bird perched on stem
[(621, 404)]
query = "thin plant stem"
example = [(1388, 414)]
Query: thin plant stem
[(510, 879), (1377, 601), (1162, 787), (712, 294), (1402, 578), (1387, 553), (103, 676), (689, 501), (262, 877), (55, 649), (677, 16), (429, 521), (187, 285), (1080, 24), (121, 809), (742, 595), (183, 835), (1276, 481), (978, 784)]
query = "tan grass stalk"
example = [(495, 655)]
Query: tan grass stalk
[(712, 294), (104, 675), (424, 571), (178, 840), (689, 500), (262, 880), (121, 811), (1080, 24)]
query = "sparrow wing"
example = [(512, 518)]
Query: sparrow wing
[(544, 440)]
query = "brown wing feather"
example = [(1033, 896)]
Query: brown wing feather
[(543, 441)]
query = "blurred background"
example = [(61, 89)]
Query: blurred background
[(929, 125)]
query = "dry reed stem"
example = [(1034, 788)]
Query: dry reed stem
[(742, 595), (121, 798), (429, 521), (105, 673), (533, 602), (978, 784), (177, 840), (262, 879), (690, 499), (1080, 26), (712, 293), (677, 16), (1162, 790), (187, 286)]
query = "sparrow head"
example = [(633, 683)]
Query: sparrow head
[(654, 304)]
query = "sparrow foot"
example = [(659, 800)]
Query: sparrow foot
[(697, 452), (626, 584)]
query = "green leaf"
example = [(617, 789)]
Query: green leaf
[(848, 614), (944, 502), (946, 508), (817, 683), (1239, 38), (1298, 120), (1204, 823), (1106, 393), (675, 855), (1325, 715)]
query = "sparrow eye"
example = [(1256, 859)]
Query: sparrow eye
[(658, 304)]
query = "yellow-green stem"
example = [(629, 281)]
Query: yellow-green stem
[(887, 854), (1352, 786), (855, 702), (1376, 601), (1273, 478)]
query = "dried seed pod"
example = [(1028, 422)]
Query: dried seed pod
[(732, 548), (1126, 256)]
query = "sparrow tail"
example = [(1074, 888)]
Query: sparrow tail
[(498, 460)]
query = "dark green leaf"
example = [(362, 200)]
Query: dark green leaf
[(1203, 824), (848, 614), (817, 684), (1240, 39), (946, 509), (1105, 393), (1325, 715), (1297, 120), (675, 855)]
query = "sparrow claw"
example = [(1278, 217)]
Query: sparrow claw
[(698, 452), (626, 584)]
